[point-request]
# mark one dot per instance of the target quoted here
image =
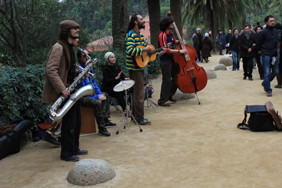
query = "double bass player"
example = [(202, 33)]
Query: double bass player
[(168, 67)]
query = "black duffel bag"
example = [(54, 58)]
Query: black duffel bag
[(259, 120)]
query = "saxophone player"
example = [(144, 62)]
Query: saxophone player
[(60, 72)]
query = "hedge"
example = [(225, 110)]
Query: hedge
[(21, 88), (21, 91)]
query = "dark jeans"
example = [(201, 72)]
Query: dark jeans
[(101, 109), (248, 66), (259, 64), (270, 71), (70, 131), (138, 94), (227, 50), (118, 95), (169, 87), (220, 49), (197, 48)]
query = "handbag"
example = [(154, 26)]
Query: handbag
[(259, 120)]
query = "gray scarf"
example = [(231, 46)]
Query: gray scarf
[(247, 34)]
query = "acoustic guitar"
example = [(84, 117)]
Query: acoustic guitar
[(142, 60)]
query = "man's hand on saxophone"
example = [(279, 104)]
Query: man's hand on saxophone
[(65, 93)]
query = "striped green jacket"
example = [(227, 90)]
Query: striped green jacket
[(131, 41)]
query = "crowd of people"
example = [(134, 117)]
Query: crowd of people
[(259, 47)]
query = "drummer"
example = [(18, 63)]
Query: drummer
[(112, 75), (100, 102)]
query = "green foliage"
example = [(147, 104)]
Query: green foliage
[(164, 11), (7, 59), (21, 92)]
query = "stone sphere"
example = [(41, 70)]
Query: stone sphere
[(226, 60), (220, 67), (179, 95), (210, 73), (90, 172)]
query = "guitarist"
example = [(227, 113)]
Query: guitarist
[(134, 38), (168, 67)]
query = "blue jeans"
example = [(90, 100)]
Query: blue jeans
[(268, 74), (236, 60)]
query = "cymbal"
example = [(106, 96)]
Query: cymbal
[(124, 85)]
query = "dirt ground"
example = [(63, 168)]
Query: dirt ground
[(187, 145)]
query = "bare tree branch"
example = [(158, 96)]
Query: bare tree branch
[(6, 40)]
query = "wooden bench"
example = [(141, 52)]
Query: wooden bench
[(88, 121)]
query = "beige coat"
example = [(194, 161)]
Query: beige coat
[(56, 72)]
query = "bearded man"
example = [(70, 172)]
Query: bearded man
[(134, 38), (60, 72)]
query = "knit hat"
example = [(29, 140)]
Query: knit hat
[(68, 24), (107, 55), (206, 34)]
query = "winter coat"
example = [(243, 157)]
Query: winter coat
[(56, 72), (88, 80), (219, 38), (196, 41), (246, 44), (234, 44), (200, 39), (109, 75), (267, 41), (228, 38), (206, 47)]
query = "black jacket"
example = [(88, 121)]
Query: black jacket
[(267, 41), (234, 44), (228, 37), (246, 44), (219, 38), (109, 74)]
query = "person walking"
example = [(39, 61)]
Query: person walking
[(196, 43), (235, 50), (206, 48), (247, 43), (267, 47), (220, 40), (227, 40), (258, 56)]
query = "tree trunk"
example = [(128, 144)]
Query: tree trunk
[(155, 18), (175, 8), (207, 15), (120, 21), (229, 24), (243, 22), (216, 30)]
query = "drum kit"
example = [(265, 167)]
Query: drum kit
[(123, 86)]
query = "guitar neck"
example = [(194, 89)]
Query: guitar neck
[(155, 51), (180, 39)]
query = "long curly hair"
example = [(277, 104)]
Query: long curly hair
[(131, 24), (165, 22)]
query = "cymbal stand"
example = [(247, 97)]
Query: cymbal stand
[(124, 117), (149, 102)]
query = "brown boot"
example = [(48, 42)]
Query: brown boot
[(279, 81)]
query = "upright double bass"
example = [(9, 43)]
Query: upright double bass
[(191, 77)]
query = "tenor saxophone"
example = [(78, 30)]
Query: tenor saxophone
[(57, 110)]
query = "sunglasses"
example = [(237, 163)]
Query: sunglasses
[(85, 55)]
